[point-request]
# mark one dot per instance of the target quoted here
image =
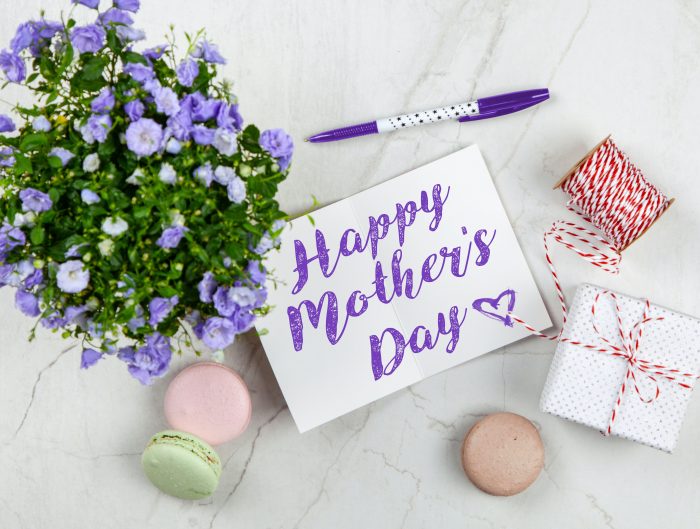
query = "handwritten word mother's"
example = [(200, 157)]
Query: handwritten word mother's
[(407, 283)]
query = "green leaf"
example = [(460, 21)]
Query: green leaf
[(55, 162), (113, 41), (142, 212), (37, 235), (166, 291), (47, 68), (131, 56), (93, 68), (54, 194), (22, 164), (32, 141), (67, 58)]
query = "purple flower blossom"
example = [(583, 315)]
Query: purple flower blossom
[(76, 315), (72, 277), (89, 197), (204, 174), (180, 125), (104, 102), (279, 144), (139, 72), (97, 128), (53, 321), (218, 333), (264, 245), (115, 16), (159, 308), (166, 101), (200, 107), (203, 135), (257, 272), (224, 175), (144, 137), (24, 37), (134, 109), (46, 29), (34, 200), (150, 361), (229, 117), (171, 237), (137, 321), (173, 146), (92, 4), (223, 302), (114, 226), (17, 273), (242, 320), (156, 52), (33, 279), (225, 141), (7, 158), (62, 154), (73, 251), (187, 72), (91, 162), (208, 51), (10, 237), (88, 38), (242, 296), (13, 66), (127, 5), (6, 123), (236, 190), (89, 357), (206, 287), (41, 124), (28, 303), (129, 34), (167, 174)]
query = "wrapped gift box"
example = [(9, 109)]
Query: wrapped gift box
[(584, 384)]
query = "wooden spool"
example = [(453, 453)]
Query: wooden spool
[(586, 157)]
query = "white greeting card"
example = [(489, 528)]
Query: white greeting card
[(392, 285)]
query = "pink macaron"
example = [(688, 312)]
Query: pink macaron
[(210, 401)]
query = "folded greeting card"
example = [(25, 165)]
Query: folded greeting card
[(392, 285)]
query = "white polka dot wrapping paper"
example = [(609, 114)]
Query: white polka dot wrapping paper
[(585, 385)]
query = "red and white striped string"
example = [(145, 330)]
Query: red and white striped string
[(612, 195)]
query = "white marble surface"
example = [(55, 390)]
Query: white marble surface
[(70, 440)]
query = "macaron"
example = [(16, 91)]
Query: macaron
[(181, 465), (503, 454), (210, 401)]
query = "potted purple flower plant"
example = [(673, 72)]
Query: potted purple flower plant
[(135, 205)]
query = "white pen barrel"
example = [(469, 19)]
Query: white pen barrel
[(434, 115)]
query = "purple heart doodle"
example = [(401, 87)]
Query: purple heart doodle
[(495, 303)]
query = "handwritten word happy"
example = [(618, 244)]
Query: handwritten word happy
[(351, 241)]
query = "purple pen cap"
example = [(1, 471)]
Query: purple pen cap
[(501, 105)]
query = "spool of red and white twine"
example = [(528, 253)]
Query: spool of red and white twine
[(613, 196)]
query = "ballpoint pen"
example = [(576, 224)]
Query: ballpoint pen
[(484, 108)]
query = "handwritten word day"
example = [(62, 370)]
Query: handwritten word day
[(392, 280)]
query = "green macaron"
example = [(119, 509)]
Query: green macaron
[(181, 465)]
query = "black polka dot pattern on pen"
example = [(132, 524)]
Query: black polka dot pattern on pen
[(433, 116)]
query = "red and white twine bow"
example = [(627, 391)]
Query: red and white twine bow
[(608, 191), (629, 350)]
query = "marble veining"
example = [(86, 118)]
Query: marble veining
[(70, 441)]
